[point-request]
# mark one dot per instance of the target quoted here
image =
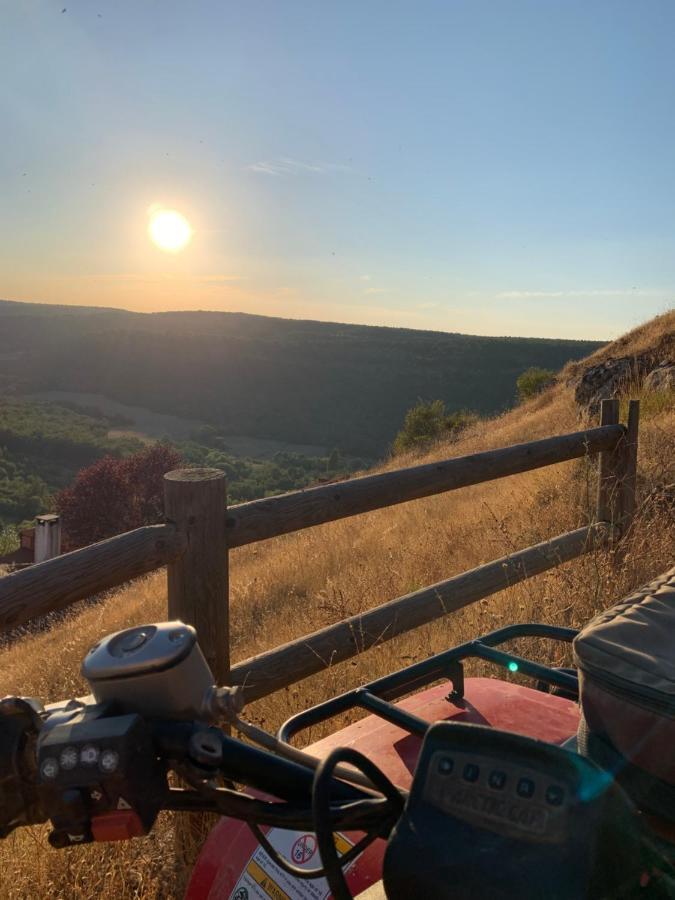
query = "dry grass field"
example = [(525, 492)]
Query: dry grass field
[(292, 585)]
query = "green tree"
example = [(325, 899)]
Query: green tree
[(533, 381)]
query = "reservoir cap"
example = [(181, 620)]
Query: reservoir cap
[(139, 651)]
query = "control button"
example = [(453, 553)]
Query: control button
[(497, 779), (525, 788), (445, 766), (133, 641), (108, 761), (555, 795), (49, 768), (68, 758), (89, 755), (471, 772)]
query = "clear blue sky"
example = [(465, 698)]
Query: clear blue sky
[(499, 167)]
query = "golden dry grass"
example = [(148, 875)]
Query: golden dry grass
[(292, 585)]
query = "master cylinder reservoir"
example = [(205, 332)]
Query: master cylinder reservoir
[(154, 670)]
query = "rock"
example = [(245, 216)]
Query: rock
[(662, 378), (606, 380), (615, 377)]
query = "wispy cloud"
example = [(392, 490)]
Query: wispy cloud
[(604, 292), (284, 165), (375, 290), (427, 305), (365, 278)]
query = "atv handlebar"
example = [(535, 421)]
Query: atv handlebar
[(98, 775), (98, 768)]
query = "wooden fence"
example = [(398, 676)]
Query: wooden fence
[(199, 530)]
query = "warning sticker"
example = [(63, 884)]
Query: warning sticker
[(262, 879)]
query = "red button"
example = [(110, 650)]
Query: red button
[(119, 825)]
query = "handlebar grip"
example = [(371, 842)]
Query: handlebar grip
[(19, 799)]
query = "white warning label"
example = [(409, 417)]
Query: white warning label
[(262, 878)]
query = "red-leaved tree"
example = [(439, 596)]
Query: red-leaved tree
[(115, 495)]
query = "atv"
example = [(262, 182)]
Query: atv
[(449, 787)]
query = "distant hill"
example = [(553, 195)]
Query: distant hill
[(304, 382)]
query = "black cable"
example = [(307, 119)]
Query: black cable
[(362, 815), (323, 825)]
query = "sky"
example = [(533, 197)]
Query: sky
[(503, 167)]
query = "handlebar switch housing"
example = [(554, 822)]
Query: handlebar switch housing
[(99, 775)]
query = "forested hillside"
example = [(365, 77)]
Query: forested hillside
[(346, 386), (43, 446)]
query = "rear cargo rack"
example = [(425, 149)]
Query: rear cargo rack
[(377, 696)]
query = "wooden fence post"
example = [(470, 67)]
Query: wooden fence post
[(628, 449), (195, 502), (608, 470)]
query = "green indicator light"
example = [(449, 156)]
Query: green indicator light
[(513, 667)]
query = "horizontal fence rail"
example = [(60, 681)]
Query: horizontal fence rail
[(305, 656), (194, 539), (57, 583), (262, 519)]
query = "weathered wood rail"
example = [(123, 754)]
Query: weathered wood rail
[(200, 530), (308, 655), (262, 519), (57, 583)]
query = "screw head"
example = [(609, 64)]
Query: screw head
[(133, 641)]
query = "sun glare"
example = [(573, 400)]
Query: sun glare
[(169, 230)]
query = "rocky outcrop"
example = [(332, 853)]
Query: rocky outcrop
[(662, 378), (616, 376), (608, 379)]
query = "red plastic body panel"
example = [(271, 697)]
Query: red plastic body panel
[(229, 849)]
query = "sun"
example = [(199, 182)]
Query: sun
[(169, 230)]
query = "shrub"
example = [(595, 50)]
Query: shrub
[(9, 539), (115, 495), (533, 381), (427, 422)]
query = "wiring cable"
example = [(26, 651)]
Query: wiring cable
[(323, 825), (364, 815)]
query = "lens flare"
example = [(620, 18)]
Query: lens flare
[(169, 230)]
